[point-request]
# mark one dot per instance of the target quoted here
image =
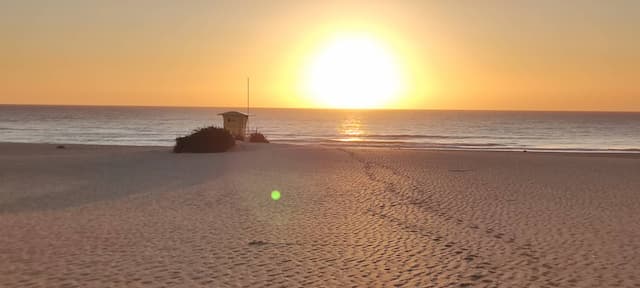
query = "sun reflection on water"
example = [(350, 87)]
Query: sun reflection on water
[(351, 130)]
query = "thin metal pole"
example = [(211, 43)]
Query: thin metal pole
[(247, 128), (247, 95)]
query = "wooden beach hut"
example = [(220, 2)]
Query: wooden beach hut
[(236, 123)]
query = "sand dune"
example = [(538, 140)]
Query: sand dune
[(100, 216)]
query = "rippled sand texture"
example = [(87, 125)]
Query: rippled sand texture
[(142, 217)]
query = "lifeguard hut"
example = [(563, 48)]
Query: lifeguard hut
[(236, 123)]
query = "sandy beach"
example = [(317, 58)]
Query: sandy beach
[(108, 216)]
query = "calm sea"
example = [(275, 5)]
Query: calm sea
[(484, 130)]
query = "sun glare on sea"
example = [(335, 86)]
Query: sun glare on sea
[(353, 72)]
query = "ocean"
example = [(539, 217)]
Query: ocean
[(408, 129)]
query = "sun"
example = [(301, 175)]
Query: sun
[(354, 72)]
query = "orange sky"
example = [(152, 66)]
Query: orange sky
[(520, 55)]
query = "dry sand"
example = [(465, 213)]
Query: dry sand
[(98, 216)]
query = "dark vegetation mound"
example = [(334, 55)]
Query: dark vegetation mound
[(257, 137), (205, 140)]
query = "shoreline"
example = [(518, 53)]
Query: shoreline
[(419, 130), (600, 153)]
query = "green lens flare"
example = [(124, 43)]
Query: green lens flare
[(275, 195)]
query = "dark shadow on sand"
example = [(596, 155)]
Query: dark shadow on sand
[(131, 173)]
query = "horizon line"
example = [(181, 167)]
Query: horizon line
[(321, 108)]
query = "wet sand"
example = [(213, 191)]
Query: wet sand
[(104, 216)]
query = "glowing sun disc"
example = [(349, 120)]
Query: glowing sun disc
[(353, 72)]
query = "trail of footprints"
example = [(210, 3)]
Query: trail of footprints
[(423, 200)]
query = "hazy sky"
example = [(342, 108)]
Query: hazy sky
[(525, 55)]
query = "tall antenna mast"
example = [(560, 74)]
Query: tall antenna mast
[(247, 95), (248, 105)]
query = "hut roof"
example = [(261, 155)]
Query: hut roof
[(234, 113)]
